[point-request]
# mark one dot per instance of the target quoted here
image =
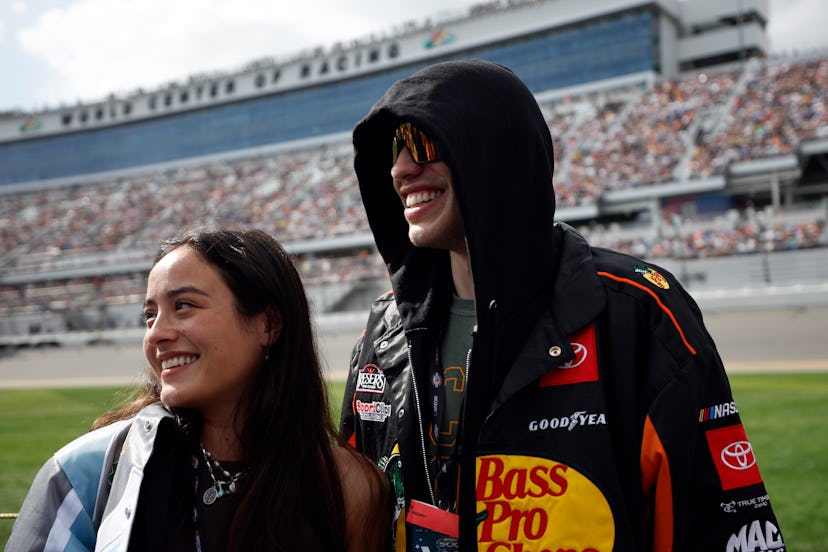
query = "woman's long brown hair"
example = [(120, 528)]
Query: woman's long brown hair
[(294, 490)]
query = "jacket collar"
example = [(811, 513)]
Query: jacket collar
[(578, 298)]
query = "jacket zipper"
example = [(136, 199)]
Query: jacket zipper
[(468, 371), (468, 357), (420, 428)]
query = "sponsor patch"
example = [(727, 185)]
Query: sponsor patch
[(717, 411), (758, 536), (583, 368), (733, 456), (436, 380), (526, 503), (374, 411), (652, 276), (370, 380), (746, 504), (391, 466), (581, 418)]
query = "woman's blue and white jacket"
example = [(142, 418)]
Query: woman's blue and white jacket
[(84, 498)]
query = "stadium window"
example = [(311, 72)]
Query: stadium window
[(393, 50), (99, 112), (276, 74), (152, 102), (167, 100), (373, 55), (199, 91), (304, 72), (127, 108), (213, 90), (66, 119), (260, 80), (323, 69), (184, 97), (84, 116), (230, 86), (341, 63), (358, 59)]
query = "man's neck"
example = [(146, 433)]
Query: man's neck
[(461, 274)]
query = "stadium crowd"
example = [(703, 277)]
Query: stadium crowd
[(733, 233), (636, 138), (675, 130), (779, 106)]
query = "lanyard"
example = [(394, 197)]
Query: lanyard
[(446, 469), (197, 541)]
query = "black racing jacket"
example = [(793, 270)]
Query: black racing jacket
[(613, 429)]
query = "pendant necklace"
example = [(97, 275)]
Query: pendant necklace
[(220, 487)]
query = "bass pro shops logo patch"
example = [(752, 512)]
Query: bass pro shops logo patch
[(530, 504)]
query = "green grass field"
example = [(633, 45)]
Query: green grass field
[(785, 417)]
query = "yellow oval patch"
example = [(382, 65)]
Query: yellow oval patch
[(529, 504)]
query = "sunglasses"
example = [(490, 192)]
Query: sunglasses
[(420, 146)]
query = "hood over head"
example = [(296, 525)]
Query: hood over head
[(493, 137)]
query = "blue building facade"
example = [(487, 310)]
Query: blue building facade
[(610, 47)]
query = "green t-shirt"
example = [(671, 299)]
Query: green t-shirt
[(455, 346)]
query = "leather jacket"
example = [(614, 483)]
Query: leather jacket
[(596, 412), (613, 429)]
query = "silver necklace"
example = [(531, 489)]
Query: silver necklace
[(220, 487)]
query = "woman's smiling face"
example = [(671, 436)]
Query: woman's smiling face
[(199, 346)]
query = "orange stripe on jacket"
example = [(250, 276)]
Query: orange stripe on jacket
[(657, 486), (657, 300)]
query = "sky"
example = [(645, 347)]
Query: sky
[(57, 52)]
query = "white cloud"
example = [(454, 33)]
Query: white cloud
[(797, 24), (100, 46), (87, 49)]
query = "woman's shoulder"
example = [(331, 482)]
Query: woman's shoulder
[(92, 444), (357, 473), (98, 440), (88, 452), (366, 497)]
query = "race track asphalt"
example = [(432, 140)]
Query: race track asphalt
[(772, 340)]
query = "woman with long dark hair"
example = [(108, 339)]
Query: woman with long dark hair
[(231, 445)]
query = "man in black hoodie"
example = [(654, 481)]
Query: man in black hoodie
[(522, 390)]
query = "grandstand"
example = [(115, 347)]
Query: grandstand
[(677, 138)]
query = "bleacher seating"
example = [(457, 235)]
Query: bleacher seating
[(731, 233), (674, 131)]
